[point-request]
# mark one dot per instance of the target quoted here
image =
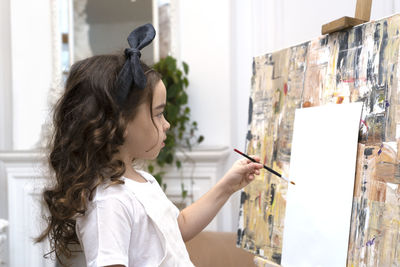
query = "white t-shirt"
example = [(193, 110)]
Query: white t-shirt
[(133, 224)]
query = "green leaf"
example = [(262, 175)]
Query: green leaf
[(178, 164), (170, 63), (170, 158), (182, 100), (200, 139), (150, 168), (160, 161), (172, 114), (173, 90), (158, 178), (185, 82), (185, 67), (175, 78), (184, 191)]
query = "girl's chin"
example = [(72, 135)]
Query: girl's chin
[(155, 155)]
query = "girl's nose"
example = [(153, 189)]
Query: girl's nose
[(166, 125)]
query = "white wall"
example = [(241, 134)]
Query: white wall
[(291, 22), (242, 53), (31, 70), (206, 46)]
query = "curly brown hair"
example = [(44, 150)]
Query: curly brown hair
[(89, 127)]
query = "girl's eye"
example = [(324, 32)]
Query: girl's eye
[(160, 114)]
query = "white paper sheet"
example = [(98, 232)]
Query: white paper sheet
[(322, 164)]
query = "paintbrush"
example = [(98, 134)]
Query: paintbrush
[(265, 167)]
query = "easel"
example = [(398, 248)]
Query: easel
[(363, 14)]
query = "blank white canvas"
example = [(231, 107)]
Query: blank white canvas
[(322, 164)]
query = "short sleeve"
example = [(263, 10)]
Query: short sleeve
[(111, 222), (153, 180)]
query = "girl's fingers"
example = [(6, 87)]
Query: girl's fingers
[(256, 158), (253, 168), (256, 166)]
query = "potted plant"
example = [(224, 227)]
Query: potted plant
[(182, 134)]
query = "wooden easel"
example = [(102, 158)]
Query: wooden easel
[(363, 14)]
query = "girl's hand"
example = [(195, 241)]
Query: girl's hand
[(241, 174), (194, 218)]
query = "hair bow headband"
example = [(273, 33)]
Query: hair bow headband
[(132, 72)]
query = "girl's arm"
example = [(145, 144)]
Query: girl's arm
[(196, 217)]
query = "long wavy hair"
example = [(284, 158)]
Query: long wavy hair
[(89, 127)]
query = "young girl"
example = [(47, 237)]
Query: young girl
[(111, 114)]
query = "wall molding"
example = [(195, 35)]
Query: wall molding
[(21, 182), (22, 178), (5, 77)]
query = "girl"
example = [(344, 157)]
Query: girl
[(111, 114)]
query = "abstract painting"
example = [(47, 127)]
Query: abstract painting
[(355, 65)]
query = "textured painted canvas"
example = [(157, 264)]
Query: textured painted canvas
[(357, 65)]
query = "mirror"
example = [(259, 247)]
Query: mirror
[(93, 27)]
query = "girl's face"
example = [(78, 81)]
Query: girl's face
[(143, 138)]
